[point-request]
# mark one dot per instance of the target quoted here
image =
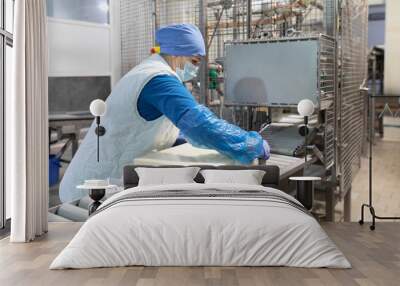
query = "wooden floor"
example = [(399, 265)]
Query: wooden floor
[(386, 175), (375, 257)]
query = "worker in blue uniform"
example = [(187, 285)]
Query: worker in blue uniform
[(149, 107)]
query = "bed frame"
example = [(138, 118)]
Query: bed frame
[(270, 179)]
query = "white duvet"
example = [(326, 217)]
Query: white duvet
[(203, 231)]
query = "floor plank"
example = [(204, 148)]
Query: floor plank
[(386, 175), (375, 257)]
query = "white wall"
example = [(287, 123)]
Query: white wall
[(78, 48), (392, 48), (116, 52), (86, 49)]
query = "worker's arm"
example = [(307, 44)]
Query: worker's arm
[(167, 95)]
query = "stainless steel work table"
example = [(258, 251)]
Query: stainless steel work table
[(77, 120)]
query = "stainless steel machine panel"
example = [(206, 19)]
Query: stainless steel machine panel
[(273, 73)]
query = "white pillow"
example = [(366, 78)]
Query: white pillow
[(248, 177), (166, 176)]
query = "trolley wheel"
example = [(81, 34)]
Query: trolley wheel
[(361, 222), (372, 227)]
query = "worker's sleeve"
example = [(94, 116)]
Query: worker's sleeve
[(167, 95), (164, 94)]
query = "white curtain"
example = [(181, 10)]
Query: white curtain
[(27, 123)]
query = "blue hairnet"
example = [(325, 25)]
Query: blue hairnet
[(181, 40)]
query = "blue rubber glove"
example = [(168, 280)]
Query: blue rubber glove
[(202, 128), (267, 151)]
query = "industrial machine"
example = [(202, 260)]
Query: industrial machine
[(278, 74)]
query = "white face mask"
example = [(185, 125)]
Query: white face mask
[(189, 72)]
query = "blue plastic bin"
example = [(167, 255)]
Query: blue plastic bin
[(54, 170)]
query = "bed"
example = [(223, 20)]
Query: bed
[(201, 224)]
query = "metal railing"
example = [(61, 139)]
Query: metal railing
[(351, 104)]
